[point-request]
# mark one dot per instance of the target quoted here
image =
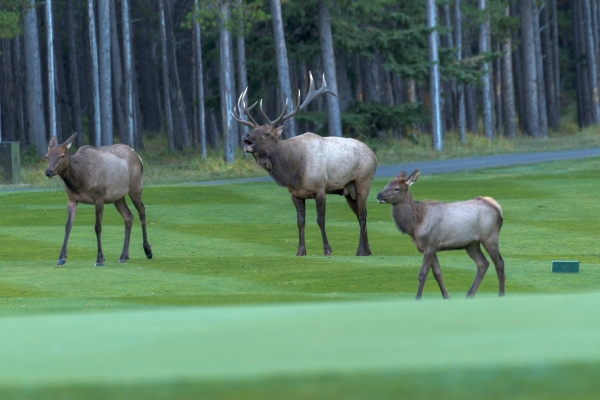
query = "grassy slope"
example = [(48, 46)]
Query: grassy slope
[(234, 244)]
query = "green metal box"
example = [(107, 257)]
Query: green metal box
[(565, 266), (10, 162)]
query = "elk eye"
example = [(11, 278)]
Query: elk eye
[(63, 156), (266, 134), (397, 190)]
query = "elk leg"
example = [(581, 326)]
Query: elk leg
[(98, 227), (428, 256), (71, 210), (474, 251), (301, 213), (320, 200), (494, 252), (363, 241), (437, 273), (122, 208), (136, 199)]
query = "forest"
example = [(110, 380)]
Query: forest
[(121, 71)]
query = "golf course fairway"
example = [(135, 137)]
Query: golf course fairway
[(238, 343)]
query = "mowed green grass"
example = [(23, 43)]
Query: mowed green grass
[(142, 329)]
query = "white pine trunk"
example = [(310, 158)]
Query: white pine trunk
[(106, 119), (328, 57), (33, 83), (434, 77), (283, 69), (96, 82), (51, 74)]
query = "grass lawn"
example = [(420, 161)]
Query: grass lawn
[(225, 310)]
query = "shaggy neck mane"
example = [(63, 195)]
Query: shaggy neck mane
[(72, 176), (284, 163), (408, 214)]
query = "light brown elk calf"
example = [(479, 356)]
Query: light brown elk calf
[(99, 176), (311, 166), (435, 226)]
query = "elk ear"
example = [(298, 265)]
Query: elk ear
[(402, 174), (53, 142), (69, 141), (278, 131), (413, 177)]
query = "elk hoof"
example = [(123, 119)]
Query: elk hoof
[(122, 261), (148, 252), (301, 252), (61, 261), (98, 264)]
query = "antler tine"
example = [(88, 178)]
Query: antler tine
[(312, 93), (281, 116), (269, 122), (241, 107)]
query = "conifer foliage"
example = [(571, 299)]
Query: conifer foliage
[(123, 69)]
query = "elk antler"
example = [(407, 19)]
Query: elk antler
[(311, 95), (241, 108)]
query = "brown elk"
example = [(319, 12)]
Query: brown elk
[(311, 166), (99, 176), (435, 226)]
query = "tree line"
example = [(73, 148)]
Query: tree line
[(118, 70)]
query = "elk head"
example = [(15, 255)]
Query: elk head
[(395, 192), (262, 137), (58, 155)]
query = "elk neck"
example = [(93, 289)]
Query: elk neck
[(73, 174), (286, 163), (408, 214)]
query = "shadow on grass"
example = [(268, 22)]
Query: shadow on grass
[(543, 382)]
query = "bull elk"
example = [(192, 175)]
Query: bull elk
[(435, 226), (311, 166), (99, 176)]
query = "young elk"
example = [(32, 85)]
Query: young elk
[(435, 226), (99, 176), (311, 166)]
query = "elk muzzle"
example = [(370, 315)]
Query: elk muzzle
[(248, 145), (50, 173)]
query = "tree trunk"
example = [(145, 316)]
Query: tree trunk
[(518, 72), (201, 121), (227, 83), (33, 79), (530, 90), (580, 84), (241, 65), (328, 57), (460, 88), (182, 133), (128, 75), (358, 82), (549, 69), (450, 98), (74, 74), (51, 73), (283, 70), (555, 64), (498, 97), (434, 78), (118, 95), (105, 75), (508, 93), (484, 34), (539, 63), (165, 73), (592, 66)]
